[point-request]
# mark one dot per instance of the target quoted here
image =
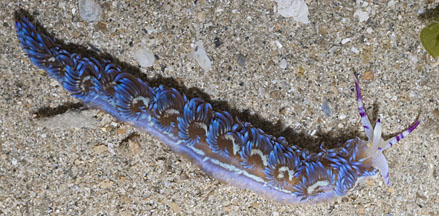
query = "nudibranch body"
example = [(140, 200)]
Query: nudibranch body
[(225, 147)]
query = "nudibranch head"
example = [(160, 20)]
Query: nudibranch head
[(371, 151)]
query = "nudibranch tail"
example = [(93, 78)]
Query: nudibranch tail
[(43, 50), (376, 144), (225, 147)]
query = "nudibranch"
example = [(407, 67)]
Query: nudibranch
[(223, 146)]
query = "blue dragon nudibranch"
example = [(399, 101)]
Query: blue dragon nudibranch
[(225, 147)]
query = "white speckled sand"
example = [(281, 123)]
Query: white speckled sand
[(109, 168)]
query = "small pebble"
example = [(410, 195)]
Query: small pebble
[(355, 50), (360, 13), (144, 57), (293, 8), (101, 26), (201, 16), (241, 60), (175, 207), (278, 44), (391, 4), (99, 149), (14, 162), (134, 147), (106, 184), (89, 10), (283, 64), (368, 75), (436, 113), (217, 42), (344, 41), (201, 57), (326, 109)]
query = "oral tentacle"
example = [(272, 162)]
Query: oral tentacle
[(392, 141), (377, 135)]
